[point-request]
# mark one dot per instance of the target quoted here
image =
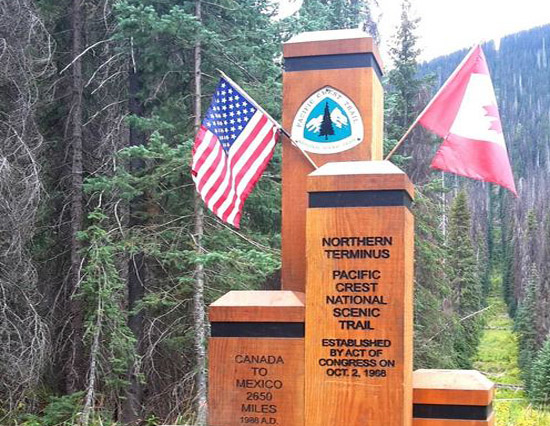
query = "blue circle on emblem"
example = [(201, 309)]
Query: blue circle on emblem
[(327, 122)]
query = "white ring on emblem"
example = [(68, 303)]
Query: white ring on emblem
[(346, 104)]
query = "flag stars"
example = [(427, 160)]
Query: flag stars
[(228, 115)]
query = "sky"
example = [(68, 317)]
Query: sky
[(449, 25)]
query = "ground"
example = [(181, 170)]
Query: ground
[(498, 358)]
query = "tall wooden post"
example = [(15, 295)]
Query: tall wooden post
[(339, 70)]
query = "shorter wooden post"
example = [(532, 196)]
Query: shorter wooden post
[(359, 295), (452, 398), (256, 356)]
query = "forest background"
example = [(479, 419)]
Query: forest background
[(107, 257)]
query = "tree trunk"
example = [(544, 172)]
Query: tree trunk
[(131, 409), (76, 373), (199, 311)]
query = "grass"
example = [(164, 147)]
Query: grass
[(497, 358)]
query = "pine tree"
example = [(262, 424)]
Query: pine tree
[(435, 321), (176, 254), (525, 325), (199, 307), (539, 392), (317, 15), (404, 84), (326, 125), (25, 70), (463, 276)]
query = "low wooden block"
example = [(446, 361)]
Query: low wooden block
[(257, 381), (256, 359), (452, 398)]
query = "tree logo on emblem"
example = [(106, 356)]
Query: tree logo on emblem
[(327, 122)]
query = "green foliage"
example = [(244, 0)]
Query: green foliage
[(232, 260), (435, 321), (60, 411), (103, 294), (319, 15), (404, 85), (463, 276), (539, 389), (441, 339), (525, 324), (523, 235), (498, 359)]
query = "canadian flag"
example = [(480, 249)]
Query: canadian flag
[(465, 114)]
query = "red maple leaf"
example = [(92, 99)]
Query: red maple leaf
[(492, 111)]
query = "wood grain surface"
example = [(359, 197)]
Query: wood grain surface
[(363, 87), (452, 387), (246, 389), (258, 306), (331, 43), (359, 176), (372, 386)]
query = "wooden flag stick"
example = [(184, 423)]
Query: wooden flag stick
[(398, 144), (241, 90)]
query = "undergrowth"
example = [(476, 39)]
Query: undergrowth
[(497, 358)]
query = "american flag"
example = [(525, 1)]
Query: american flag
[(232, 148)]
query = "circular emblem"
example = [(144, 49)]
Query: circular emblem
[(327, 122)]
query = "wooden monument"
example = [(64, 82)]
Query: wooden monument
[(334, 346)]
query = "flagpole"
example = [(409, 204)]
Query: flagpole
[(398, 144), (454, 73), (241, 90)]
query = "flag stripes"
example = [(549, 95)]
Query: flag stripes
[(225, 178)]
